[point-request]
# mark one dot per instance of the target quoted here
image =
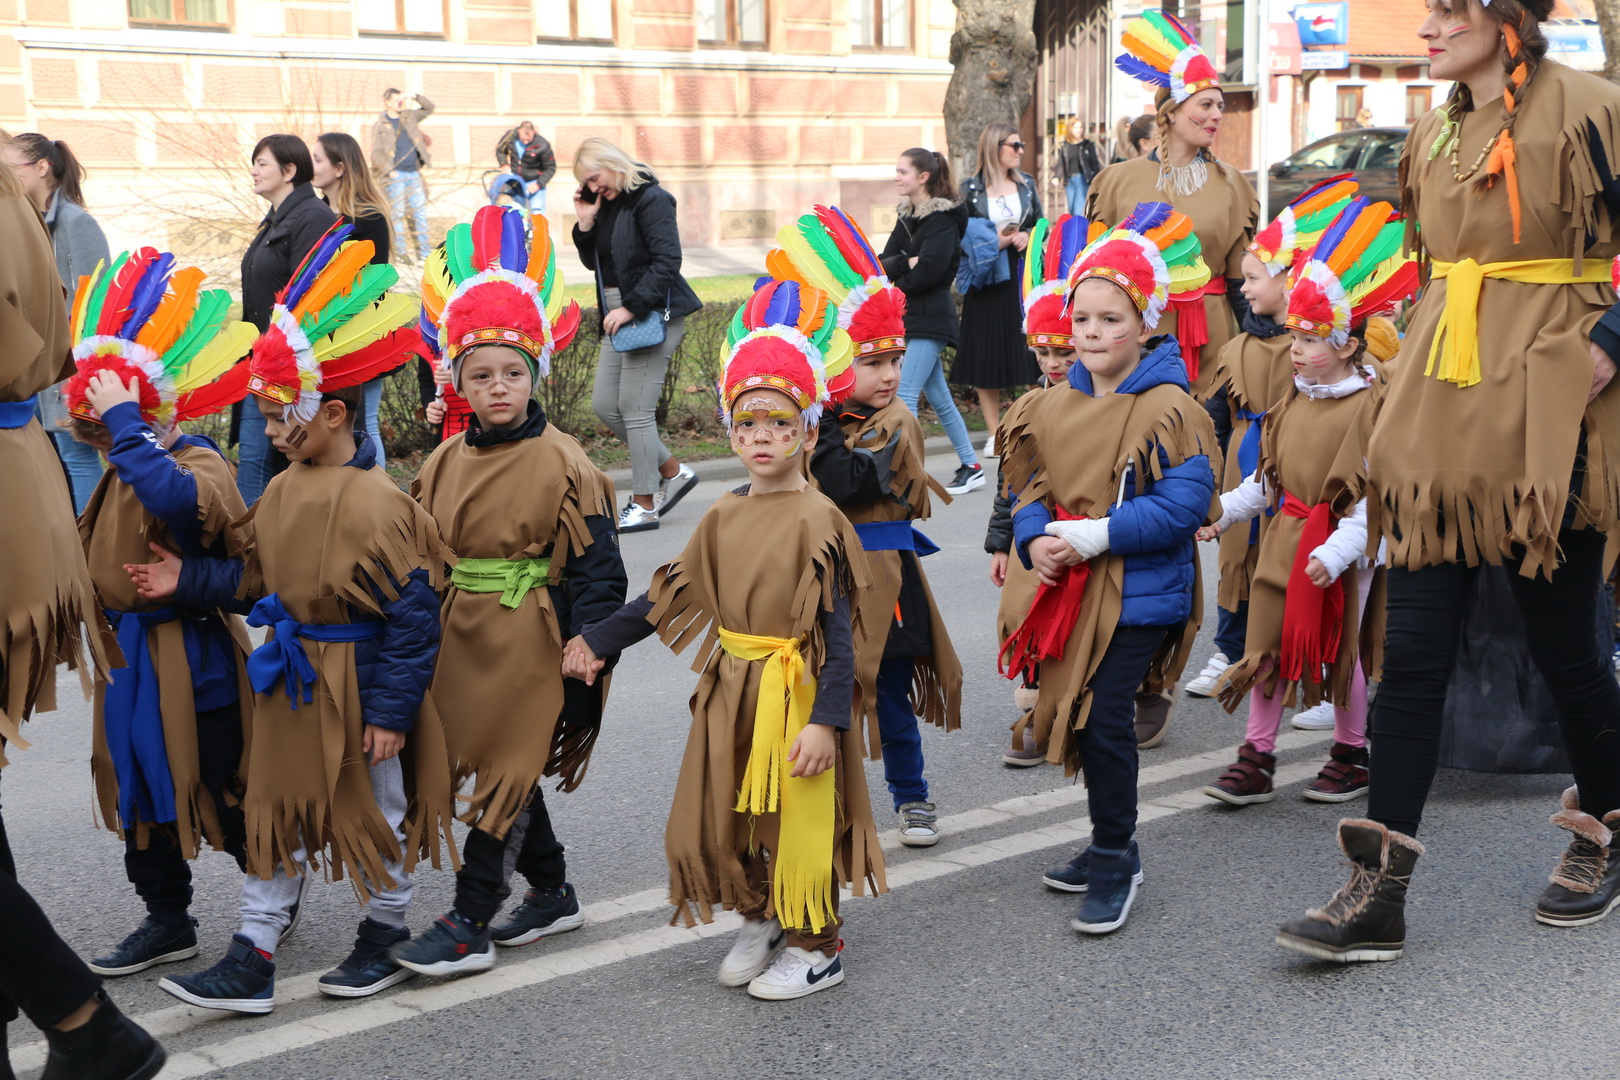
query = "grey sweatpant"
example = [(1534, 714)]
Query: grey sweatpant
[(625, 398)]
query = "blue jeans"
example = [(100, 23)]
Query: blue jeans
[(1107, 743), (1232, 630), (406, 192), (83, 465), (1075, 190), (923, 373), (253, 452), (370, 402), (900, 732)]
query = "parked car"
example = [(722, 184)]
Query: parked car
[(1373, 154)]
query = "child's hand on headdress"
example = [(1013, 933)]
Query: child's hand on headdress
[(106, 390), (579, 662), (159, 580), (814, 751)]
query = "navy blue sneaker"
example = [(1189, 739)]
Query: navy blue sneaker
[(542, 913), (451, 946), (1072, 877), (152, 943), (369, 969), (1111, 891), (243, 981)]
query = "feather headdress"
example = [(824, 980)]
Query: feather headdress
[(785, 337), (142, 318), (827, 250), (1358, 268), (1161, 51), (335, 325), (488, 284), (1053, 248), (1153, 255), (1301, 223)]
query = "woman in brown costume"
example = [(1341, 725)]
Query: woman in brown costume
[(1498, 443)]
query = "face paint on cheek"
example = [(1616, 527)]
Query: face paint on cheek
[(295, 437), (1456, 30), (794, 441)]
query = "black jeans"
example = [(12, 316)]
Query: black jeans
[(1108, 741), (1425, 616), (39, 974), (531, 848), (160, 873)]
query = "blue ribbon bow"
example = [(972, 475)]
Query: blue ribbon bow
[(283, 656), (16, 414), (132, 719), (894, 536), (1248, 456)]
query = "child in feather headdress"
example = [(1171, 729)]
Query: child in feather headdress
[(771, 813), (1305, 616), (1107, 524), (537, 559), (869, 460), (153, 348), (342, 566)]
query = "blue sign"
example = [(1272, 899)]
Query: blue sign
[(1323, 24), (1572, 37)]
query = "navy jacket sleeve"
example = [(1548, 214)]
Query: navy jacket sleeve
[(937, 241), (1167, 513), (585, 246), (661, 242), (1235, 297), (620, 629), (596, 581), (405, 656), (166, 488), (835, 682), (847, 476), (1606, 334), (207, 583)]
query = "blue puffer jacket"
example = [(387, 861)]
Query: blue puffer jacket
[(393, 670), (1154, 527)]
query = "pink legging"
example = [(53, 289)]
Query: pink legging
[(1349, 725)]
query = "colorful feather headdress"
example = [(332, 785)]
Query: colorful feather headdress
[(488, 285), (1053, 247), (335, 325), (1301, 223), (1161, 51), (827, 250), (1358, 268), (785, 337), (142, 318), (1153, 255)]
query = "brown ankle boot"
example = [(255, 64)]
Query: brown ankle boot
[(1153, 719), (1586, 885), (1248, 780), (1366, 919)]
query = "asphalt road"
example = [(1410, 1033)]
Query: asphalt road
[(967, 968)]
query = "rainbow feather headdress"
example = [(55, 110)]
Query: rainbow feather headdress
[(785, 337), (142, 318), (1153, 255), (1301, 223), (1357, 269), (1161, 51), (1053, 248), (335, 325), (827, 250), (487, 284)]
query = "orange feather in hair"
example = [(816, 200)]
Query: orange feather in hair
[(337, 278), (539, 250), (168, 322), (1358, 236), (1094, 230), (1177, 226), (779, 265)]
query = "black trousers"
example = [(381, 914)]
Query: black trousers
[(1108, 756), (39, 974), (531, 848), (1425, 616), (160, 873)]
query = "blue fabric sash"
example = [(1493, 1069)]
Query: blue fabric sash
[(132, 718), (283, 657), (894, 536), (16, 414), (1248, 456)]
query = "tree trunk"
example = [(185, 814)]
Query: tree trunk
[(1608, 17), (993, 53)]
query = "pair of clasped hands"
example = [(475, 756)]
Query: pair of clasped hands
[(1314, 569)]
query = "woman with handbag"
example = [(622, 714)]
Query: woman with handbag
[(626, 233)]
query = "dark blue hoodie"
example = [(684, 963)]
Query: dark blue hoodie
[(1153, 527)]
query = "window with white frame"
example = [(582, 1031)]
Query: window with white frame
[(880, 24), (422, 17), (574, 20), (731, 22)]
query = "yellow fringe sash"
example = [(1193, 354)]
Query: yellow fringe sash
[(802, 881), (1459, 321)]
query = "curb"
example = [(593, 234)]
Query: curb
[(731, 468)]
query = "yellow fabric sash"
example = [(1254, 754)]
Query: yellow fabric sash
[(512, 578), (1459, 322), (802, 877)]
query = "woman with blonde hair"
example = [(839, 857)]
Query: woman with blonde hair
[(626, 233)]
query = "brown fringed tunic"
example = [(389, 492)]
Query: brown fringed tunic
[(1257, 373), (323, 538), (116, 528), (1465, 474), (1019, 589), (498, 687), (1224, 212)]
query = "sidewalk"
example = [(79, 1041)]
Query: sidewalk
[(699, 262)]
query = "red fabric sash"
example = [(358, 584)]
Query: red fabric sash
[(1192, 323), (1313, 618), (1051, 619)]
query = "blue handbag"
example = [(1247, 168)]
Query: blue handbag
[(643, 333)]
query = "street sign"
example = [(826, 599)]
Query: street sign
[(1323, 24), (1283, 58), (1331, 60)]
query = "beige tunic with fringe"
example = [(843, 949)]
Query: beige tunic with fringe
[(46, 597), (1258, 374), (1224, 212), (323, 538), (498, 686), (1465, 474), (1099, 439), (116, 528), (767, 565)]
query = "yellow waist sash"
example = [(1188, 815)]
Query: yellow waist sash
[(802, 865), (1458, 362)]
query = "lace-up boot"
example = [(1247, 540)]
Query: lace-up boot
[(1366, 918), (1586, 885)]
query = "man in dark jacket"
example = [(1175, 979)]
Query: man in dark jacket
[(399, 153), (524, 151)]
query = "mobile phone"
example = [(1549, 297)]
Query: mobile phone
[(587, 194)]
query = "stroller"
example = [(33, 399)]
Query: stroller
[(510, 188)]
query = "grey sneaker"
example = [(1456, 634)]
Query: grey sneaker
[(918, 825), (637, 518)]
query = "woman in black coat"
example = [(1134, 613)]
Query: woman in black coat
[(627, 234), (282, 171)]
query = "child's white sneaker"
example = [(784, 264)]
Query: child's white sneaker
[(757, 942), (1204, 684), (1319, 718), (797, 973)]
